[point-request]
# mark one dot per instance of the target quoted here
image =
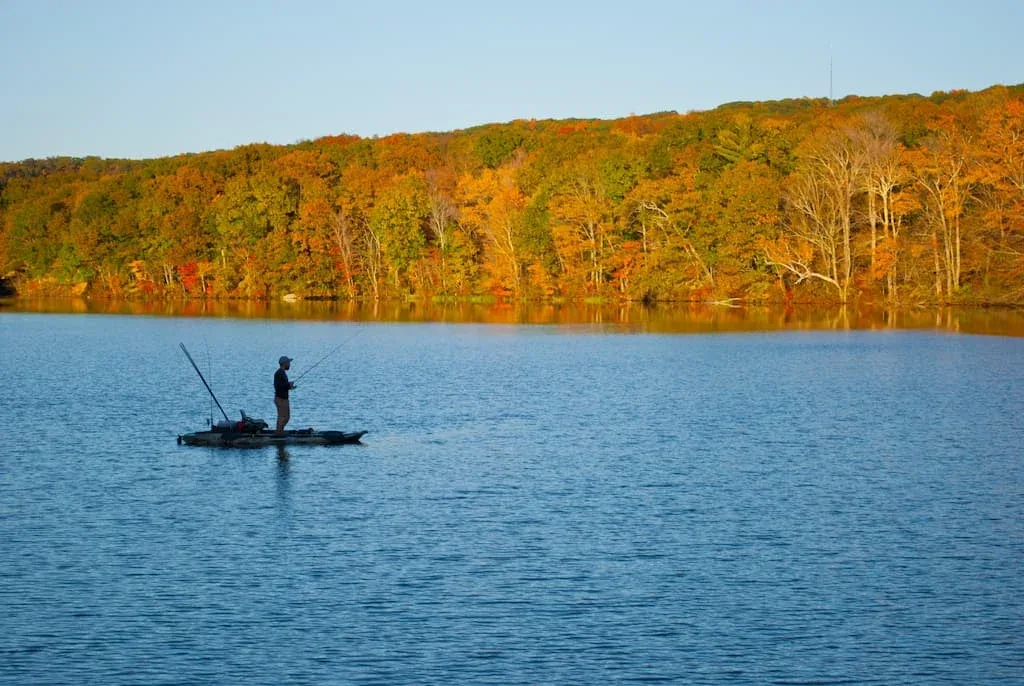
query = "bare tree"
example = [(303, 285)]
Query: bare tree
[(821, 197), (944, 177), (885, 173), (651, 219), (443, 214), (374, 258), (341, 228), (583, 206)]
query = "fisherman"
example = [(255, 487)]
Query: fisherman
[(281, 387)]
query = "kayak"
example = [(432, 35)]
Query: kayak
[(253, 433), (234, 438)]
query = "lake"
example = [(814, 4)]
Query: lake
[(585, 502)]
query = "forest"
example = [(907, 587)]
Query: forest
[(899, 199)]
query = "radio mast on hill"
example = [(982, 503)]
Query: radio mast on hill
[(830, 101)]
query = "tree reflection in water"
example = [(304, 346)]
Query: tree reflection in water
[(729, 316)]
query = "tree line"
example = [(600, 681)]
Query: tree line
[(897, 199)]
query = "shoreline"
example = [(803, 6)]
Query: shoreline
[(627, 317)]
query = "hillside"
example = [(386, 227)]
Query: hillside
[(900, 199)]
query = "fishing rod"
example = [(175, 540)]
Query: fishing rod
[(329, 353), (209, 372), (195, 367)]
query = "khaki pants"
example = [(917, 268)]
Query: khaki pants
[(284, 412)]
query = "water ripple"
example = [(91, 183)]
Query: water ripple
[(785, 509)]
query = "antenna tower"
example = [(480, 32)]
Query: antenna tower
[(830, 100)]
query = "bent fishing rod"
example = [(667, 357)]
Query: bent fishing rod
[(333, 350), (203, 379)]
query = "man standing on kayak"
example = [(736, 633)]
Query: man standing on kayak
[(281, 387)]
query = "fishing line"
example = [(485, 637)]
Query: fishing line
[(333, 350)]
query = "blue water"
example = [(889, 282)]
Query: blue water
[(531, 505)]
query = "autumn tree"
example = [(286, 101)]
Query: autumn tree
[(943, 174), (661, 213), (737, 211), (397, 226), (1001, 171), (315, 238), (820, 195), (901, 196), (885, 178), (173, 217), (443, 216), (103, 231), (583, 204), (36, 225), (492, 206), (253, 218)]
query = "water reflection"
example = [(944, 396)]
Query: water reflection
[(284, 473), (628, 317), (284, 467)]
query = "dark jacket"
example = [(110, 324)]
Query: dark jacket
[(281, 383)]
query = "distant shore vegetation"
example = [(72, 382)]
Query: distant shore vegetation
[(902, 199)]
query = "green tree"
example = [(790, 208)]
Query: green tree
[(397, 222), (496, 146)]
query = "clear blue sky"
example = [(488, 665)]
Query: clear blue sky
[(141, 78)]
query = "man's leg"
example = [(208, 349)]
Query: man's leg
[(283, 413)]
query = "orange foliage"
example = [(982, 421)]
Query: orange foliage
[(663, 206)]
